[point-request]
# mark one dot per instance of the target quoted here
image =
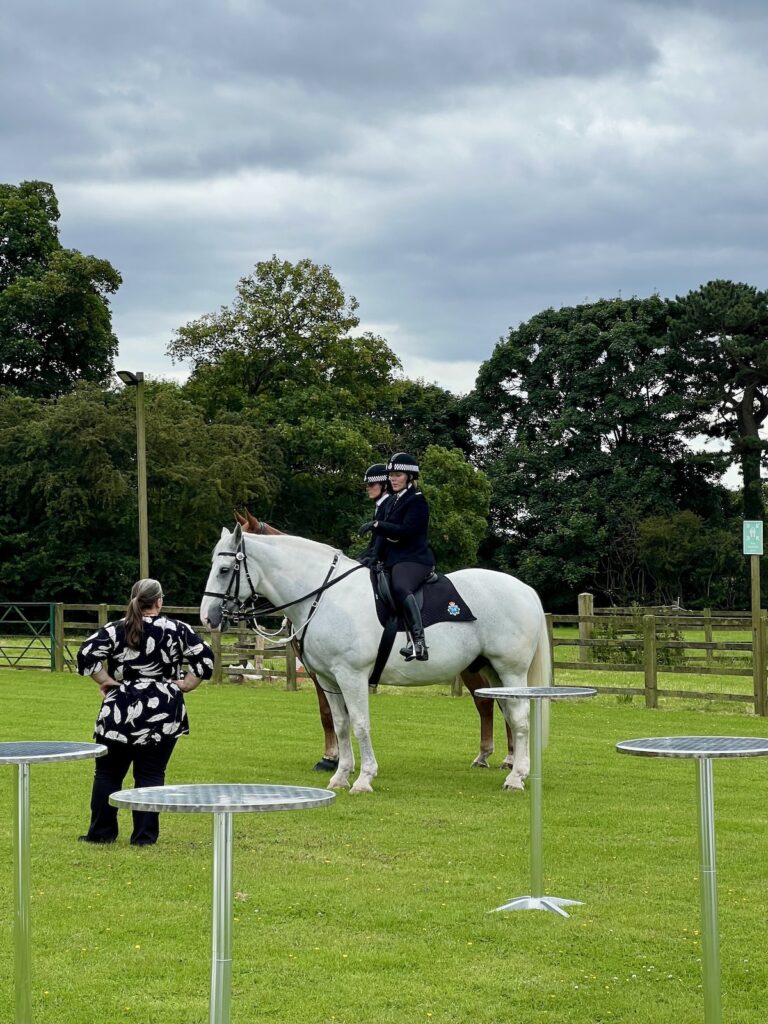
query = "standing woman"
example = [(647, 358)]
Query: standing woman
[(137, 663), (404, 546)]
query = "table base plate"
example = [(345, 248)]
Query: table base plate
[(551, 903)]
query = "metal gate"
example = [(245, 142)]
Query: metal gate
[(26, 635)]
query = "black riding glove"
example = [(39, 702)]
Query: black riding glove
[(365, 528)]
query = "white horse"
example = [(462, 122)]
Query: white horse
[(508, 641)]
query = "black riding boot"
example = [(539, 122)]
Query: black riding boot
[(416, 647)]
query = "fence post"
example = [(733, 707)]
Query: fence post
[(649, 660), (218, 668), (290, 667), (258, 653), (551, 639), (58, 633), (762, 703), (708, 633), (586, 607), (103, 615)]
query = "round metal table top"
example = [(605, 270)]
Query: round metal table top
[(695, 746), (536, 692), (46, 751), (222, 796)]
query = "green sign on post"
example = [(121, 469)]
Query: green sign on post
[(753, 537)]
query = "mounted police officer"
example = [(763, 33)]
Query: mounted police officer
[(378, 490), (400, 539)]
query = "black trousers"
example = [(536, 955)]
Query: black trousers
[(406, 577), (149, 764)]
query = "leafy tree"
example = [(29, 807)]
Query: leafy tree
[(718, 361), (459, 497), (419, 414), (582, 440), (55, 324), (68, 513)]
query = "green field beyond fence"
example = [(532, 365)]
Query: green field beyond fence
[(647, 653)]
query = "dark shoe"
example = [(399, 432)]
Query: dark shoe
[(326, 764), (97, 842)]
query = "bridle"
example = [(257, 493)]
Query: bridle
[(234, 609)]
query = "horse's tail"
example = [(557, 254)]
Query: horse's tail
[(540, 670)]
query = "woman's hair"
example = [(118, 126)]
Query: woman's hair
[(144, 595)]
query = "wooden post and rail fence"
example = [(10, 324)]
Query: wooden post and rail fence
[(643, 641)]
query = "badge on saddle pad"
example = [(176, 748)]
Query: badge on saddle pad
[(453, 608)]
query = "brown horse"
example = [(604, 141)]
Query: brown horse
[(472, 680)]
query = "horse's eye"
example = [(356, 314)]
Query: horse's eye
[(223, 569)]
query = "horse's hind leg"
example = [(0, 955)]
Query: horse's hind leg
[(516, 715), (473, 681), (330, 758)]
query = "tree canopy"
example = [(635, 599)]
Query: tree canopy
[(55, 322)]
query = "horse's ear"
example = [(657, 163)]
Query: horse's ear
[(253, 522), (237, 535), (240, 519), (225, 534)]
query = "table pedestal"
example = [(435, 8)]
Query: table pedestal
[(21, 874), (710, 942), (221, 946), (537, 900)]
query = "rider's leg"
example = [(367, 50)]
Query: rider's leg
[(406, 577)]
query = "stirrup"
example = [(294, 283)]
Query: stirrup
[(407, 651)]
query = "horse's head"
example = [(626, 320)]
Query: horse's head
[(230, 585)]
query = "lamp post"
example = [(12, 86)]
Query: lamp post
[(136, 380)]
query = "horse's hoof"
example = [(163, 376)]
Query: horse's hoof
[(326, 764), (478, 763), (338, 782), (362, 787), (514, 785)]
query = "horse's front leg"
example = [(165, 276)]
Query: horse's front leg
[(346, 755), (516, 714), (355, 689)]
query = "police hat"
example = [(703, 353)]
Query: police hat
[(402, 462), (375, 474)]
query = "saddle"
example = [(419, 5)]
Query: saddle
[(438, 601)]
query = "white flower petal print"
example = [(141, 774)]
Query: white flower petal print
[(196, 649), (170, 727), (112, 734), (142, 685), (208, 662), (130, 655), (163, 689), (153, 702), (166, 658), (150, 644), (116, 715), (158, 718), (103, 713), (138, 734), (87, 649), (111, 633)]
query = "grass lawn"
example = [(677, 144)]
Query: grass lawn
[(374, 910)]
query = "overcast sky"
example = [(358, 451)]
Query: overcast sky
[(459, 165)]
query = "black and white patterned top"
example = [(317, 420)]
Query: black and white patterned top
[(147, 707)]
